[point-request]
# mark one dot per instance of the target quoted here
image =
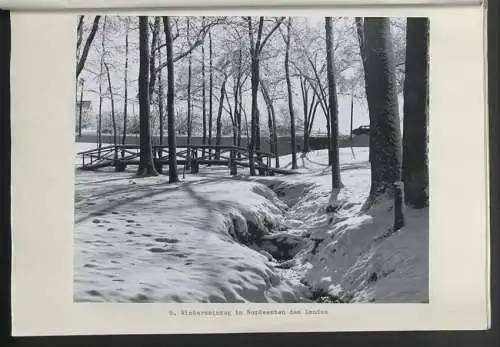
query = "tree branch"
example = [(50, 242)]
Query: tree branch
[(276, 26), (86, 48)]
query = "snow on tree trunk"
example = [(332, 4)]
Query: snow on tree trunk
[(385, 130), (210, 91), (289, 90), (416, 112), (203, 95), (160, 98), (219, 118), (125, 83), (146, 165), (113, 115), (172, 147), (333, 105)]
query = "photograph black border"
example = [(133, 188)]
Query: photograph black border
[(486, 338)]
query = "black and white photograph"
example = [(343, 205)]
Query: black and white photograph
[(238, 159)]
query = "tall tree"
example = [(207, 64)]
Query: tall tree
[(362, 51), (271, 124), (101, 72), (416, 113), (160, 99), (80, 107), (189, 107), (125, 83), (203, 93), (146, 165), (219, 116), (333, 104), (290, 94), (385, 132), (172, 147), (210, 92), (256, 46), (113, 115), (81, 61), (152, 60)]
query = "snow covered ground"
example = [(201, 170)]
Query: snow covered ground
[(217, 238)]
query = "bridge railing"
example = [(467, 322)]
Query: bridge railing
[(120, 155)]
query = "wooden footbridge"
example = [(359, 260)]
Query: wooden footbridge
[(190, 157)]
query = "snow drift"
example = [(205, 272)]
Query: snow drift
[(216, 238)]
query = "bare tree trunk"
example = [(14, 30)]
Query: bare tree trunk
[(146, 164), (240, 111), (210, 100), (352, 114), (290, 100), (79, 33), (203, 95), (305, 104), (113, 115), (219, 118), (152, 61), (86, 48), (160, 97), (172, 147), (80, 111), (125, 101), (362, 51), (384, 117), (101, 71), (189, 108), (416, 113), (333, 104), (271, 124), (99, 120)]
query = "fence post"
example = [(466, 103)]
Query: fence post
[(232, 163), (194, 163)]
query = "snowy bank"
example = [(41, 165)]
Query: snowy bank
[(216, 238), (352, 256), (144, 240)]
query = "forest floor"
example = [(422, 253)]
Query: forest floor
[(217, 238)]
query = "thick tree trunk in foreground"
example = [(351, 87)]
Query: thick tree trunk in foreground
[(385, 130), (172, 147), (333, 104), (416, 113), (146, 165), (289, 90)]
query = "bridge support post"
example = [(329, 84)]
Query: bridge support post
[(195, 166), (158, 165), (119, 166), (233, 170)]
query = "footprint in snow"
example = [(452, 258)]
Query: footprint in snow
[(157, 250), (166, 240)]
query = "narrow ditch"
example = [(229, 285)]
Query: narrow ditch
[(280, 247)]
